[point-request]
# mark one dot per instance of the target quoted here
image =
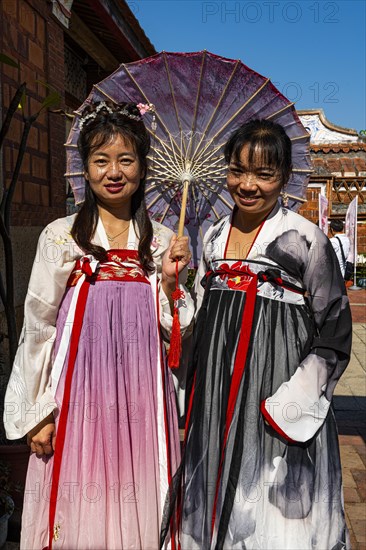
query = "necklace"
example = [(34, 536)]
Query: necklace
[(110, 238)]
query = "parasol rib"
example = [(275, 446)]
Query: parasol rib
[(207, 184), (306, 136), (294, 197), (209, 154), (166, 209), (100, 90), (172, 92), (162, 162), (196, 104), (217, 106), (233, 117), (285, 108), (147, 100), (186, 149), (195, 201), (178, 161), (208, 172), (155, 199), (302, 170), (155, 186), (211, 205)]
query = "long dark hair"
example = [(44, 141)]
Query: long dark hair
[(109, 119), (267, 137)]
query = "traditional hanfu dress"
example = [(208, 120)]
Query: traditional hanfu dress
[(261, 466), (91, 352)]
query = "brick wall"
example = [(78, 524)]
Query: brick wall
[(361, 237), (30, 34), (310, 210)]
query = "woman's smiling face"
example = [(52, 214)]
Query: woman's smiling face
[(114, 172), (254, 187)]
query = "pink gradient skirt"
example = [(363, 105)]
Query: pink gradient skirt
[(110, 493)]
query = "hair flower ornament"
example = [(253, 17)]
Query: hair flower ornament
[(145, 108), (148, 108)]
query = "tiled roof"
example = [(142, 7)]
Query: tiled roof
[(338, 147), (340, 160)]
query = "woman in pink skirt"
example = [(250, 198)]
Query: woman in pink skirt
[(90, 384)]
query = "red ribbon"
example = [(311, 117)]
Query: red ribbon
[(61, 429)]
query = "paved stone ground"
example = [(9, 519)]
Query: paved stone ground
[(350, 408)]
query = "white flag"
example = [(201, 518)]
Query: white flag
[(351, 230), (323, 213)]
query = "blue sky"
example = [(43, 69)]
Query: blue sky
[(314, 51)]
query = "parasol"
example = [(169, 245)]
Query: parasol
[(200, 99)]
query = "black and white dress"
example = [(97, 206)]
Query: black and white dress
[(261, 466)]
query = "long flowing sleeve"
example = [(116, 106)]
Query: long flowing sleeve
[(162, 237), (28, 398), (299, 407)]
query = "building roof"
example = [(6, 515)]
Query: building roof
[(323, 131), (338, 147), (339, 166), (116, 27)]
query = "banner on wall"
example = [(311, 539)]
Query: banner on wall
[(323, 213)]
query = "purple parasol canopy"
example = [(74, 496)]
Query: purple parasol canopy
[(200, 99)]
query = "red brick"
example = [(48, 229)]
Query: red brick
[(39, 167), (22, 45), (351, 495), (13, 38), (10, 38), (34, 107), (43, 142), (26, 17), (11, 72), (359, 529), (350, 440), (18, 193), (9, 167), (9, 93), (35, 54), (15, 130), (26, 164), (31, 193), (33, 138), (6, 90), (45, 195), (41, 90), (40, 29), (360, 478), (28, 76), (10, 7)]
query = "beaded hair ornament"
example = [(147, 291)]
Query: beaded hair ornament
[(142, 107)]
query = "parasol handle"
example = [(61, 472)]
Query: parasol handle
[(182, 216)]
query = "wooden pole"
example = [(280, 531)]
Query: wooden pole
[(182, 216)]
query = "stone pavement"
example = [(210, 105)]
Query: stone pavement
[(350, 408)]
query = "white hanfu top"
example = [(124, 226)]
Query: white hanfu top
[(30, 394)]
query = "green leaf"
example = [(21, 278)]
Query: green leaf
[(22, 101), (46, 85), (8, 60), (51, 100)]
